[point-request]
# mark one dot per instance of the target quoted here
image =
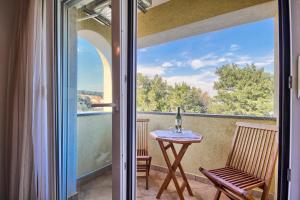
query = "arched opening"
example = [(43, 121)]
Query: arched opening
[(102, 84), (94, 84)]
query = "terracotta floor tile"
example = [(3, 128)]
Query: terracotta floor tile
[(100, 189)]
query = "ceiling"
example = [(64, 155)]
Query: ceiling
[(100, 10)]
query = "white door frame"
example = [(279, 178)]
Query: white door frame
[(119, 113), (119, 71), (294, 192)]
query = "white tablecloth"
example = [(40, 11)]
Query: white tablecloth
[(172, 134)]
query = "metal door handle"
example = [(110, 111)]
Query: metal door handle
[(101, 105)]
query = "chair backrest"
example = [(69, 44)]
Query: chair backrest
[(142, 137), (254, 150)]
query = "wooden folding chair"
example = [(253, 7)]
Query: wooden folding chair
[(250, 163), (143, 158)]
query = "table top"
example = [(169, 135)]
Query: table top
[(186, 136)]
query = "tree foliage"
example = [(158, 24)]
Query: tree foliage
[(243, 91), (83, 103), (190, 99), (240, 91), (154, 94)]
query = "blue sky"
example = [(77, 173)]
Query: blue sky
[(195, 59), (90, 70)]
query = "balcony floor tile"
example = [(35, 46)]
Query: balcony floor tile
[(100, 189)]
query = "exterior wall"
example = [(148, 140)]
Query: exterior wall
[(93, 25), (94, 142), (178, 13), (213, 151)]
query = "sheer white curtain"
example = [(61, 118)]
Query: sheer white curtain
[(30, 172)]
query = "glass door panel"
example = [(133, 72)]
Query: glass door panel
[(92, 117)]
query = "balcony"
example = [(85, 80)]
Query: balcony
[(94, 153), (173, 22)]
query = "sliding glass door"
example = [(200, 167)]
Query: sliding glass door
[(91, 102)]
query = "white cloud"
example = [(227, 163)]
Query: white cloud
[(207, 61), (197, 63), (262, 61), (142, 50), (204, 81), (179, 63), (212, 60), (151, 70), (234, 47), (167, 64), (243, 60), (265, 61)]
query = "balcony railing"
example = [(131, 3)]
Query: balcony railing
[(94, 140)]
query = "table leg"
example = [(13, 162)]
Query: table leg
[(172, 169), (182, 172)]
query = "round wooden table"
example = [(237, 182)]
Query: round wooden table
[(171, 138)]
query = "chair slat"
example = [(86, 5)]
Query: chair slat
[(237, 147), (252, 151), (252, 148), (143, 158), (256, 151), (247, 147), (250, 162), (250, 154), (142, 137)]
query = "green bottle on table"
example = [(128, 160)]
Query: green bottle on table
[(178, 121)]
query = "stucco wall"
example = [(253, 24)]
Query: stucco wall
[(95, 26), (94, 142), (212, 152), (176, 13)]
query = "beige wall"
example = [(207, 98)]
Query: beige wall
[(94, 142), (8, 10), (95, 26), (176, 13), (212, 152)]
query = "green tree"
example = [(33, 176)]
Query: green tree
[(190, 99), (243, 91), (152, 94)]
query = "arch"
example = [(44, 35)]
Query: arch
[(104, 51)]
